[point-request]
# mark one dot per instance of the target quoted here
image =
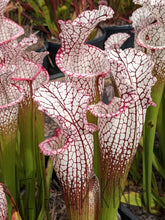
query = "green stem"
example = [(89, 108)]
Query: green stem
[(148, 141), (46, 187), (110, 197), (161, 129), (94, 120), (49, 171), (96, 159), (43, 195), (40, 164), (8, 148), (111, 193), (26, 126)]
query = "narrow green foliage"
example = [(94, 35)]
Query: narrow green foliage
[(161, 129), (159, 200), (96, 161), (35, 194), (135, 167), (148, 141), (7, 145), (158, 166)]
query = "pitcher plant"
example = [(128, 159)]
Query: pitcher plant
[(119, 124), (150, 39), (22, 125), (95, 143)]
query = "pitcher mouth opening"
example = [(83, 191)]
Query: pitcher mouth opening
[(87, 63), (56, 144), (151, 37)]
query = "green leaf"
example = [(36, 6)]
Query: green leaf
[(40, 7), (154, 184), (135, 199), (158, 166), (132, 198), (159, 200)]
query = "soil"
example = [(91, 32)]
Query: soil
[(142, 214), (58, 209)]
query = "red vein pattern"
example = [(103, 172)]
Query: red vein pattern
[(72, 147), (31, 55), (115, 41), (10, 96), (27, 72), (9, 30), (152, 37), (157, 8), (83, 64), (155, 46), (120, 135), (3, 205), (141, 18)]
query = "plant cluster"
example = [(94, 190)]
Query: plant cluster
[(148, 22), (95, 143), (21, 125), (45, 14)]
